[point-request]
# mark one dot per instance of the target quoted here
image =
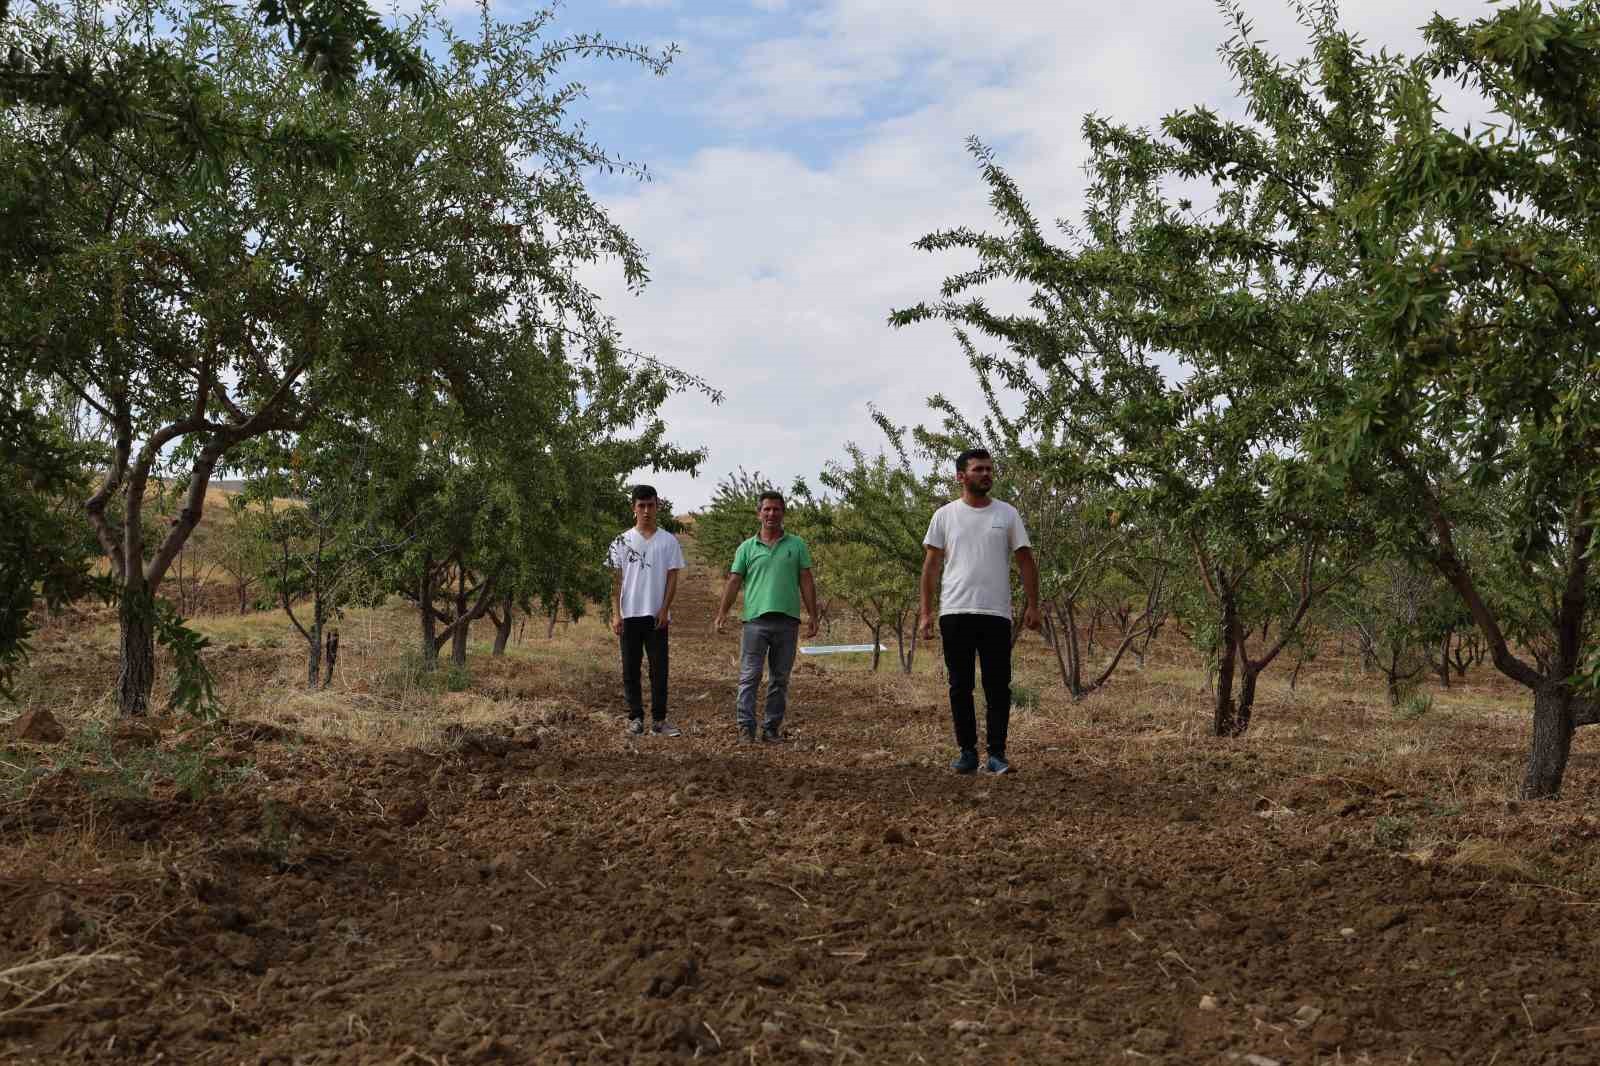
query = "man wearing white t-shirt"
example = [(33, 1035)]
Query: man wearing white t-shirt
[(970, 543), (646, 562)]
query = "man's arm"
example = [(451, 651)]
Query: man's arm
[(665, 614), (1030, 586), (730, 592), (808, 595), (616, 602), (932, 567)]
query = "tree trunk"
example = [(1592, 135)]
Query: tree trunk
[(332, 657), (877, 645), (1225, 717), (1552, 740), (430, 642), (314, 649), (137, 673), (1069, 626), (502, 627), (550, 623), (1247, 699)]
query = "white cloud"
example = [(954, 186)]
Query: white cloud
[(774, 267)]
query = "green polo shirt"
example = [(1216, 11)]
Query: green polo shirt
[(771, 575)]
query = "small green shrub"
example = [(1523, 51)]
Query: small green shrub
[(1413, 705), (1391, 832), (1024, 698)]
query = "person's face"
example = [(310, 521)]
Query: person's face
[(771, 514), (978, 477), (644, 511)]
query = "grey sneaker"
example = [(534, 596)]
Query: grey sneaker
[(772, 734), (665, 729), (966, 762), (997, 765), (635, 727)]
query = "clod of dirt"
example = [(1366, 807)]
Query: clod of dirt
[(409, 812), (489, 1049), (548, 770), (1343, 808), (728, 923), (1151, 1041), (680, 974), (38, 726), (1330, 1033), (241, 952), (1105, 908), (1380, 918), (893, 835), (962, 1026), (505, 864)]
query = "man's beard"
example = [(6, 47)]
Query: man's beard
[(978, 489)]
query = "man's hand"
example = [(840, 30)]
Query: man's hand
[(616, 624), (722, 622), (663, 618), (811, 627), (1030, 616), (925, 623)]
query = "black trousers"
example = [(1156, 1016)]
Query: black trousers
[(640, 637), (987, 639)]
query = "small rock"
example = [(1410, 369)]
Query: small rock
[(1307, 1015), (770, 1028), (38, 726), (1345, 807), (548, 770), (811, 1047), (1208, 1002), (1151, 1041), (505, 864), (893, 835), (963, 1025), (1259, 1060), (1347, 932), (728, 923)]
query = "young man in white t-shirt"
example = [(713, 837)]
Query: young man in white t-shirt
[(646, 562), (970, 543)]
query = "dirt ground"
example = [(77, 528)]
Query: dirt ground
[(513, 879)]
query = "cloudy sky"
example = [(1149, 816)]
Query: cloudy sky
[(797, 149)]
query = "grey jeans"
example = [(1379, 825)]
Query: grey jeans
[(773, 638)]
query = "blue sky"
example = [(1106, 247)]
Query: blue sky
[(798, 147)]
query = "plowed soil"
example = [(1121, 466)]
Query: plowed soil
[(558, 892)]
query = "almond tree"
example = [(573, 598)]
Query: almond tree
[(194, 317)]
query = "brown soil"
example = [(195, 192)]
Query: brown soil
[(561, 893)]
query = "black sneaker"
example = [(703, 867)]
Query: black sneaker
[(771, 734), (966, 762), (997, 765), (665, 729), (635, 727), (747, 734)]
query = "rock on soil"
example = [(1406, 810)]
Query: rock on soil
[(38, 726)]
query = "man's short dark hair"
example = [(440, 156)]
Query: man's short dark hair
[(771, 494), (967, 456), (642, 492)]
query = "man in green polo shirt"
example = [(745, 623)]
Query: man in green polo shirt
[(774, 568)]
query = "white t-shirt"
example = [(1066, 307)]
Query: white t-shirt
[(644, 562), (978, 543)]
